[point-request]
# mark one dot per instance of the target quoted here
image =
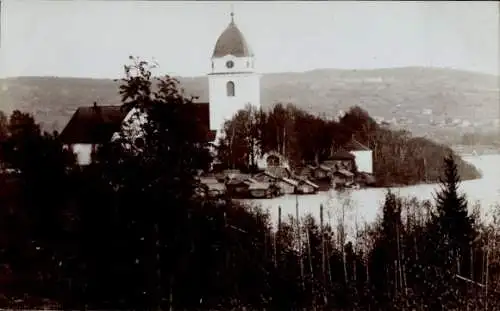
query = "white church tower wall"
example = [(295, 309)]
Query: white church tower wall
[(233, 81)]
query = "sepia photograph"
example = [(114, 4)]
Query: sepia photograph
[(249, 155)]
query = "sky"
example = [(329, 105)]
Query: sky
[(94, 38)]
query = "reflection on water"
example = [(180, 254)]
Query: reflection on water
[(366, 202)]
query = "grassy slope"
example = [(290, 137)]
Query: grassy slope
[(389, 93)]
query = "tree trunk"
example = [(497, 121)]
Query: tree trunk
[(313, 292), (278, 143), (471, 250), (487, 275), (301, 262), (330, 280), (284, 140), (158, 269), (171, 294), (323, 258), (323, 261), (276, 236), (343, 244)]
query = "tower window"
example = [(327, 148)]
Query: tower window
[(230, 88)]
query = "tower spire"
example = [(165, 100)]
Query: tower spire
[(232, 14)]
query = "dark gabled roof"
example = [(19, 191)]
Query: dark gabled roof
[(93, 125), (344, 173), (208, 180), (355, 145), (307, 181), (290, 181), (256, 185), (96, 124), (265, 173), (342, 155), (324, 168)]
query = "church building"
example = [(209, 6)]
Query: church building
[(233, 84)]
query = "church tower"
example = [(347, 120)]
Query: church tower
[(233, 82)]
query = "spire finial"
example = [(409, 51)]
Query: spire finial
[(232, 13)]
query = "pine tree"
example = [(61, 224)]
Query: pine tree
[(386, 255), (453, 220), (450, 236)]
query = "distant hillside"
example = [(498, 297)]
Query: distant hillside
[(438, 103)]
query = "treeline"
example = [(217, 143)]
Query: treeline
[(398, 158), (127, 233), (480, 138)]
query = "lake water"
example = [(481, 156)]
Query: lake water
[(366, 203)]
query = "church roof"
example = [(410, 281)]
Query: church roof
[(97, 124), (93, 124), (342, 155), (232, 42), (355, 145)]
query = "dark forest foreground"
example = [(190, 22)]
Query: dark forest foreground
[(126, 233)]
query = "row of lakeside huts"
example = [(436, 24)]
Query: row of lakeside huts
[(277, 181), (271, 183)]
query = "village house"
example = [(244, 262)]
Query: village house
[(365, 179), (305, 171), (363, 156), (340, 160), (259, 190), (227, 175), (280, 172), (266, 177), (237, 187), (287, 185), (342, 177), (90, 127), (287, 182), (212, 187), (305, 186), (322, 172)]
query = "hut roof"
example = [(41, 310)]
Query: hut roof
[(216, 186), (307, 181), (342, 155), (355, 145), (290, 181), (258, 185), (345, 173), (324, 167)]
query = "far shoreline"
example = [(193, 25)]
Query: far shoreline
[(475, 150), (491, 151)]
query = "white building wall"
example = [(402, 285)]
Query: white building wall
[(364, 160), (83, 153), (241, 64), (247, 88)]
